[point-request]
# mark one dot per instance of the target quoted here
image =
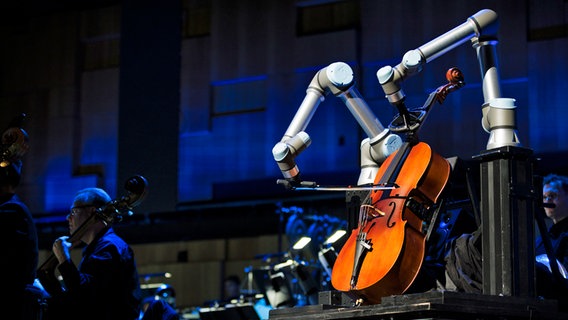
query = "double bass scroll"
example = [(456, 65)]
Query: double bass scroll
[(15, 142)]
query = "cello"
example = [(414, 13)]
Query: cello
[(384, 253), (112, 212)]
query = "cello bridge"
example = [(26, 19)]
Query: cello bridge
[(371, 210)]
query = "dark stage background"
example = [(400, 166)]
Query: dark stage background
[(194, 94)]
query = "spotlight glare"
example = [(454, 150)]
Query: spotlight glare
[(335, 236), (300, 244)]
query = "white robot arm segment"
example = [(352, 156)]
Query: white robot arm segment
[(337, 78), (413, 61), (285, 152), (481, 29), (332, 78)]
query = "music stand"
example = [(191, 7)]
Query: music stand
[(274, 287)]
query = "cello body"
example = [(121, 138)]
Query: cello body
[(382, 256)]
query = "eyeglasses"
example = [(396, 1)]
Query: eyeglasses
[(550, 196), (74, 210)]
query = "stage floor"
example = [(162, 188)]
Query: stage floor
[(431, 305)]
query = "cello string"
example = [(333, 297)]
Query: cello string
[(363, 211), (362, 216)]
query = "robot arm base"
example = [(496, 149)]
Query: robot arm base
[(499, 121), (503, 137)]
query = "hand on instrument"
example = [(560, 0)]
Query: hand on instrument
[(37, 284), (61, 249)]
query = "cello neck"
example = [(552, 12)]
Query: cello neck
[(394, 168)]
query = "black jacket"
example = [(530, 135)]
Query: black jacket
[(104, 286), (20, 252)]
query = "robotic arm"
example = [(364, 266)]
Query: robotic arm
[(481, 28), (337, 78)]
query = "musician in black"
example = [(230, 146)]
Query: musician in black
[(105, 283), (20, 257), (555, 191)]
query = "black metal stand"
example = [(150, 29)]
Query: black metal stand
[(507, 218), (431, 305), (507, 204)]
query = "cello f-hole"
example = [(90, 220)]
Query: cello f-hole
[(390, 222)]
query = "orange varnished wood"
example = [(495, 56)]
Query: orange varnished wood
[(396, 237)]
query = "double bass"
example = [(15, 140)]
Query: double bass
[(112, 212), (15, 142), (384, 253)]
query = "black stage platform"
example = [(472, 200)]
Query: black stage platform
[(432, 305)]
